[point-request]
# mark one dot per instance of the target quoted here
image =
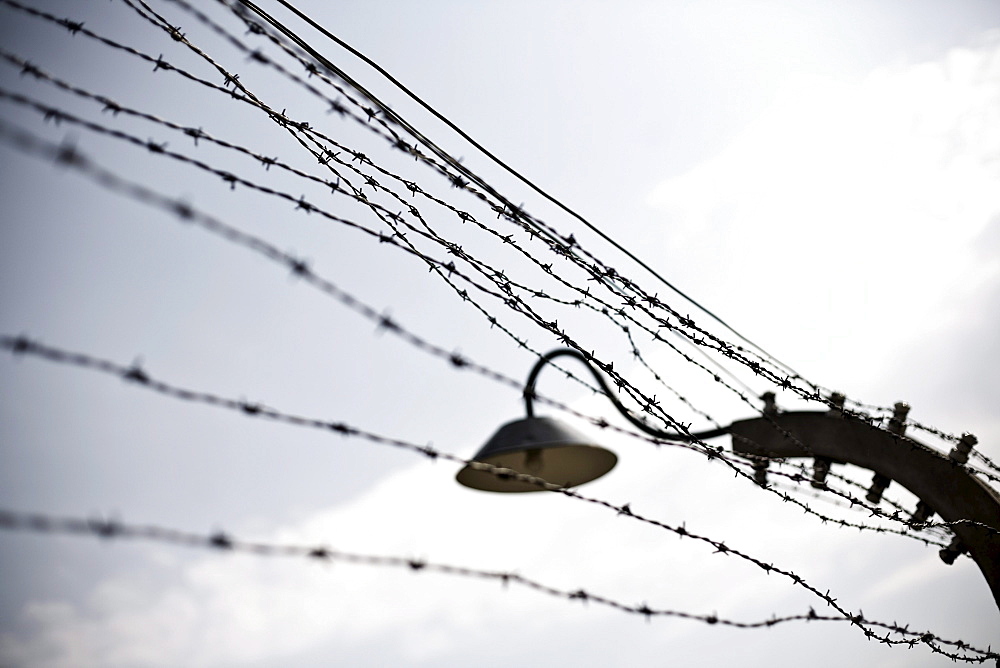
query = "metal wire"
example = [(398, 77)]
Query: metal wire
[(634, 302), (604, 274), (140, 377), (221, 541), (550, 325), (69, 157)]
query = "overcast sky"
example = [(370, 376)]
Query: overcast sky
[(823, 176)]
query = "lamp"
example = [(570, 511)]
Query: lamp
[(545, 448), (541, 447)]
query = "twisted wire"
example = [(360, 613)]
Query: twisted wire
[(68, 156), (724, 348), (284, 121), (551, 326), (136, 375), (221, 541), (562, 245), (818, 389), (506, 167)]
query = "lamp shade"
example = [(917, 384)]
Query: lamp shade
[(540, 447)]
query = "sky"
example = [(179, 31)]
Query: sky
[(821, 176)]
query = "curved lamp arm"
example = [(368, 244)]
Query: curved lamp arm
[(529, 395)]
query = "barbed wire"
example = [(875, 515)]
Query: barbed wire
[(69, 157), (174, 32), (50, 112), (982, 473), (619, 381), (21, 345), (282, 120), (517, 304), (987, 462), (135, 374), (802, 475), (256, 29), (386, 215), (483, 150), (59, 115), (558, 243), (75, 27), (604, 270), (828, 391), (221, 541), (599, 270)]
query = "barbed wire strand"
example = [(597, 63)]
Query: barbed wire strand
[(135, 374), (852, 501), (60, 115), (517, 213), (73, 27), (161, 64), (175, 33), (815, 386), (232, 179), (21, 345), (255, 55), (303, 204), (557, 245), (68, 156), (490, 155), (221, 541), (151, 149), (519, 304)]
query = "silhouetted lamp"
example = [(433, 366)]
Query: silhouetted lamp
[(548, 449), (540, 447)]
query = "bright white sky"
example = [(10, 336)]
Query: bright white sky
[(822, 176)]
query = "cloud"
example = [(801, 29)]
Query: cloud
[(849, 212)]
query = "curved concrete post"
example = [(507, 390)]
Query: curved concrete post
[(942, 484)]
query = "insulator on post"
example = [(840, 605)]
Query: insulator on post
[(770, 407), (879, 483), (821, 467), (837, 399), (960, 453), (760, 472), (897, 423), (922, 513), (953, 551)]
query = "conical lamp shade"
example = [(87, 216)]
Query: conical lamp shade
[(540, 447)]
